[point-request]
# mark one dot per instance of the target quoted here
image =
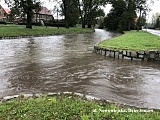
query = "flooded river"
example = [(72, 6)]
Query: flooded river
[(67, 63)]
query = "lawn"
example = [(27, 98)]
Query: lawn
[(17, 30), (70, 107), (133, 40)]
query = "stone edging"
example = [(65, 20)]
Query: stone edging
[(150, 55), (87, 97), (6, 98)]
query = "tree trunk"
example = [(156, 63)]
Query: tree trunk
[(129, 26), (29, 20), (89, 14), (83, 22), (66, 12), (80, 12), (139, 26), (29, 13), (89, 25), (36, 18)]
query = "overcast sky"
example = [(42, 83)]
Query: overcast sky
[(155, 8)]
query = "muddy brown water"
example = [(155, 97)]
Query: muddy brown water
[(67, 63)]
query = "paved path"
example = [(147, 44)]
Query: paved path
[(156, 32)]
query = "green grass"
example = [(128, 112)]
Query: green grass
[(69, 107), (133, 40), (16, 30)]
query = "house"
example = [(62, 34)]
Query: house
[(43, 15), (4, 13)]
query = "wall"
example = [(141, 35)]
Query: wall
[(150, 55)]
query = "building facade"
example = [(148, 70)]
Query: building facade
[(43, 15), (4, 14)]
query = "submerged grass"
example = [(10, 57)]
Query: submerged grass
[(70, 107), (16, 30), (133, 40)]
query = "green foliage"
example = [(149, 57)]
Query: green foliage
[(86, 10), (128, 16), (121, 16), (133, 40), (73, 13), (100, 13), (142, 8), (157, 23), (23, 5), (114, 17), (127, 21), (13, 13), (89, 10), (70, 107)]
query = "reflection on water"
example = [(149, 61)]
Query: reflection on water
[(67, 63)]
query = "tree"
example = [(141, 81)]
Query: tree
[(13, 14), (69, 9), (155, 21), (127, 18), (72, 15), (157, 25), (113, 19), (26, 7), (88, 10), (141, 6), (66, 12), (85, 9), (122, 15)]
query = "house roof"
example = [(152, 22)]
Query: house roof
[(44, 10), (6, 10)]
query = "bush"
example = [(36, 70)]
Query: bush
[(21, 23), (54, 24), (3, 22), (34, 23), (9, 22)]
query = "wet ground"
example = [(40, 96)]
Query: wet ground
[(67, 63), (152, 31)]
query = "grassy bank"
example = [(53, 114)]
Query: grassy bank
[(70, 107), (16, 30), (133, 40)]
